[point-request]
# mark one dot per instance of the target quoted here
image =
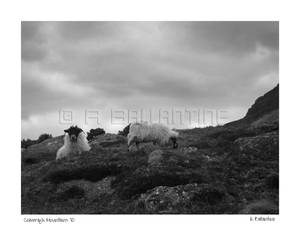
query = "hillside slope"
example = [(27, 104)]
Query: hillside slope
[(228, 169), (262, 106)]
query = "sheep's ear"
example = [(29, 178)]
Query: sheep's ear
[(67, 131)]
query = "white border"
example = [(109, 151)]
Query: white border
[(12, 12)]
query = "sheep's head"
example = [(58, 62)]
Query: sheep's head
[(131, 140), (73, 132)]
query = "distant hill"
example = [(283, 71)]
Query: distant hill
[(262, 106)]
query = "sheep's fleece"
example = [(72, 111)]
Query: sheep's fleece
[(143, 132), (69, 147)]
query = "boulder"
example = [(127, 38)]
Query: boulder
[(189, 198), (147, 148), (155, 157), (189, 149)]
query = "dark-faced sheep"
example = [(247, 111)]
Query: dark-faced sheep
[(75, 142)]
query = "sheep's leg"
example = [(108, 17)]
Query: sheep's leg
[(174, 141), (137, 144)]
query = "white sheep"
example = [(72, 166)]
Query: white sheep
[(156, 133), (75, 142)]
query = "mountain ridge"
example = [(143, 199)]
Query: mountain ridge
[(262, 106)]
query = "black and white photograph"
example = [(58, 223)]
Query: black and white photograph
[(150, 117)]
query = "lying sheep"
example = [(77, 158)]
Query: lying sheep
[(75, 142), (156, 133)]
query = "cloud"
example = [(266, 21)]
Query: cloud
[(82, 65)]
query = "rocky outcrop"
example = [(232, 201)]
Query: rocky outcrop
[(262, 106), (192, 198), (155, 157)]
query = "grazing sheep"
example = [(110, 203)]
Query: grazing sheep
[(74, 142), (156, 133)]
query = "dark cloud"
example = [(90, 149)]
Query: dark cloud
[(33, 42), (233, 38), (81, 65), (76, 31)]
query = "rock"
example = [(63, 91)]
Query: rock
[(265, 146), (261, 207), (155, 157), (190, 198), (208, 158), (189, 149), (147, 148)]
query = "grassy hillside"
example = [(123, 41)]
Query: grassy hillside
[(216, 170)]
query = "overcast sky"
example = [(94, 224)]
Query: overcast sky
[(111, 66)]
